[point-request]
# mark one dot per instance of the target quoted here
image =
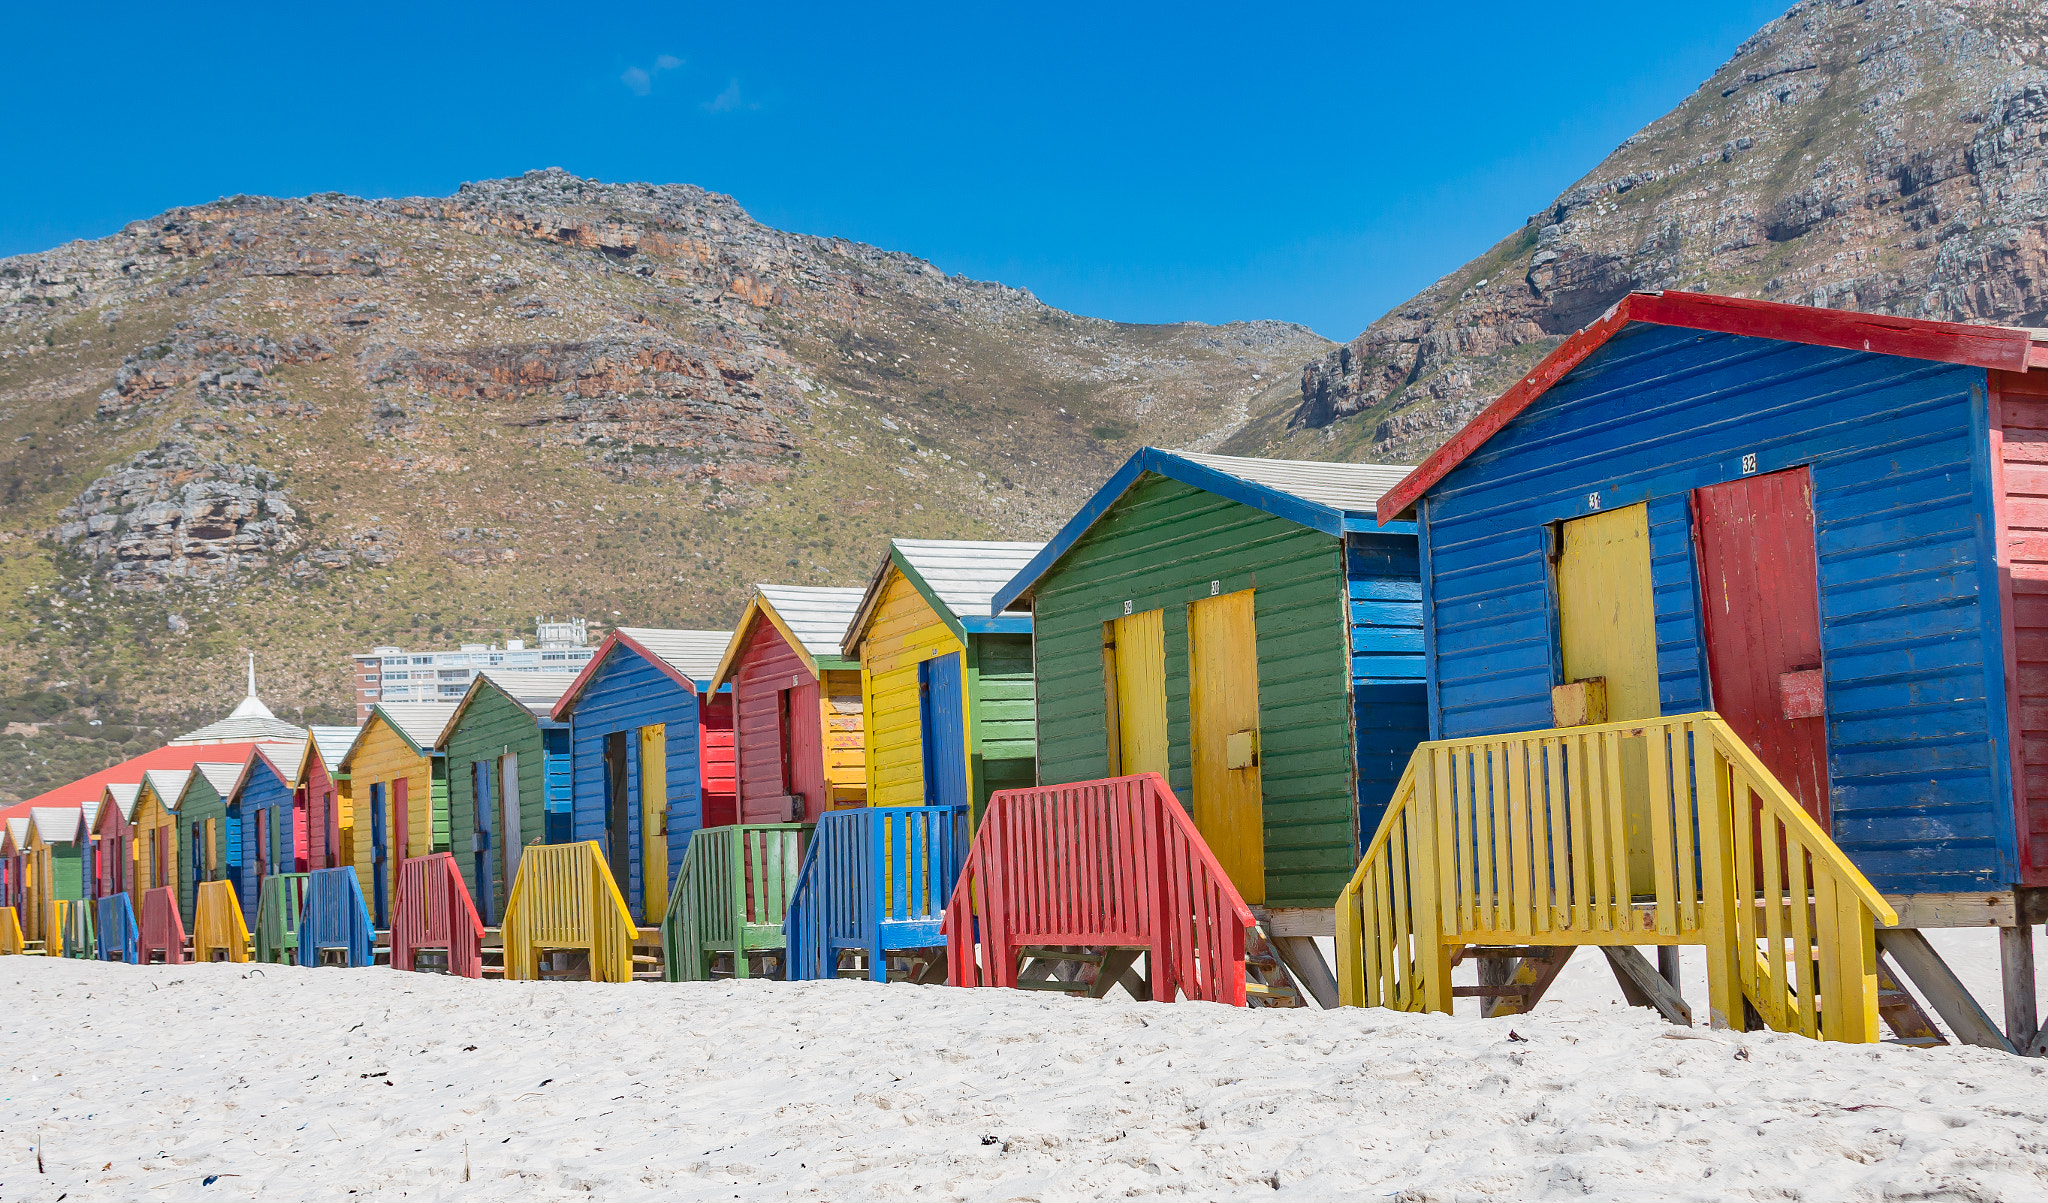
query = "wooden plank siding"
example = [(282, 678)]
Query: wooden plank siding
[(846, 741), (1389, 702), (202, 819), (1159, 546), (1002, 716), (265, 800), (383, 756), (624, 694), (767, 668), (318, 841), (1916, 706), (2021, 435), (490, 727), (718, 760), (904, 632)]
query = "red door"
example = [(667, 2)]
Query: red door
[(1760, 592)]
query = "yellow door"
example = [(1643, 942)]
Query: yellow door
[(654, 821), (1223, 714), (1607, 627), (1140, 656)]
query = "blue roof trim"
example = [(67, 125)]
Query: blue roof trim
[(1000, 624), (1165, 463), (1369, 526)]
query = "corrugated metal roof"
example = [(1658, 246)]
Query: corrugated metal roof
[(421, 722), (1354, 488), (57, 824), (694, 654), (538, 692), (124, 795), (965, 574), (818, 617), (222, 777), (17, 827), (333, 743), (167, 784), (242, 729), (288, 758)]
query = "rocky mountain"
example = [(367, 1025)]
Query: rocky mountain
[(1882, 155), (306, 426)]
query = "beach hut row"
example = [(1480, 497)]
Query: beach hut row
[(1716, 629)]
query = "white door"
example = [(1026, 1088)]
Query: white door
[(509, 838)]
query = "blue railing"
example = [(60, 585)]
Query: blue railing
[(336, 917), (118, 931), (875, 879)]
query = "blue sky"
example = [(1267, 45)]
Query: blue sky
[(1155, 163)]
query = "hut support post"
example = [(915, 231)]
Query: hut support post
[(2016, 977), (1917, 959), (1305, 961)]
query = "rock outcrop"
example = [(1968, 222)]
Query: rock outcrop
[(172, 515), (1885, 157)]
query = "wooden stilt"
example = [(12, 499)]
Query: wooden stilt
[(2016, 979), (1305, 961), (1633, 967), (1917, 959)]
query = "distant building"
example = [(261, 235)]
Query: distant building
[(394, 674), (252, 720)]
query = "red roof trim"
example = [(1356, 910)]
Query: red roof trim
[(568, 703), (1998, 347)]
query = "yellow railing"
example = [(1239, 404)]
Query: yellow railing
[(1650, 831), (10, 931), (564, 898), (218, 930)]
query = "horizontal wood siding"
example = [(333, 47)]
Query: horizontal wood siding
[(382, 756), (559, 822), (1390, 703), (718, 761), (317, 805), (767, 666), (1004, 718), (903, 633), (262, 791), (2023, 444), (1159, 546), (626, 694), (493, 726), (846, 741), (1915, 704), (202, 802)]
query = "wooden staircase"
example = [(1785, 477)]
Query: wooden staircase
[(1511, 849)]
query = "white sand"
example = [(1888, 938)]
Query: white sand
[(156, 1077)]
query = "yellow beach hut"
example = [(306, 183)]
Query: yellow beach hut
[(398, 787)]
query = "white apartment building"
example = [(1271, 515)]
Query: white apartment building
[(394, 674)]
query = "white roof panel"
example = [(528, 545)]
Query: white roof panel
[(333, 743), (695, 654), (124, 796), (167, 784), (221, 776), (1355, 488), (966, 574), (237, 729), (420, 721), (817, 617), (57, 824)]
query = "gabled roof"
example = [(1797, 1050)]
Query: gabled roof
[(287, 759), (122, 794), (16, 834), (688, 657), (224, 778), (57, 824), (168, 785), (242, 728), (537, 692), (2003, 348), (418, 723), (956, 577), (333, 743), (812, 621), (1331, 498)]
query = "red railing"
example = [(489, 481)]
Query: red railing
[(1098, 863), (163, 930), (434, 911)]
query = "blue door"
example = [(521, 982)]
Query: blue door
[(944, 731), (480, 841), (379, 856)]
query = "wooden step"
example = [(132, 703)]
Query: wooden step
[(1262, 990)]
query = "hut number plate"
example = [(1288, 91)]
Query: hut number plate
[(1215, 587), (1749, 464), (1127, 609), (1592, 501)]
